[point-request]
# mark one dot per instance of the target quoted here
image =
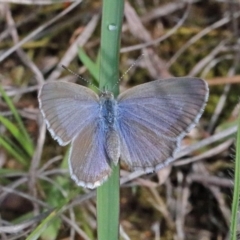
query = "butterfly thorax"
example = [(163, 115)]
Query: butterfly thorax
[(108, 110)]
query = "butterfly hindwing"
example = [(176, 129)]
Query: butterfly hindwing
[(88, 162)]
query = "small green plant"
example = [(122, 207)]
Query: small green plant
[(236, 189), (19, 143)]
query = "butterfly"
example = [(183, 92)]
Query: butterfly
[(143, 126)]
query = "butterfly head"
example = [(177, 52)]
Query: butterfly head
[(105, 94)]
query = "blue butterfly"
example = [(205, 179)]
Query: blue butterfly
[(143, 126)]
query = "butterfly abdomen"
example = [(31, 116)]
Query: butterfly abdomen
[(108, 117)]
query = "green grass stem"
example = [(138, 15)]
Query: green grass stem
[(108, 193), (236, 189)]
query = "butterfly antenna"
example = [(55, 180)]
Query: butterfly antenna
[(124, 74), (80, 77)]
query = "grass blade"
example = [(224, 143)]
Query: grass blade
[(89, 64), (108, 193), (236, 190), (17, 134), (14, 151), (28, 142), (43, 225)]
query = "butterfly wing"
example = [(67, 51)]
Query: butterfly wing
[(71, 113), (154, 117), (88, 162), (67, 108)]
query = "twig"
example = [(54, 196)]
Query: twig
[(35, 2), (16, 228), (207, 154), (35, 163), (25, 59), (73, 49), (204, 61), (160, 39), (198, 36), (38, 30)]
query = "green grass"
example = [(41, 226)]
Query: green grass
[(236, 189), (22, 148), (108, 193)]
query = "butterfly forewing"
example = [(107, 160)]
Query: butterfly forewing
[(142, 148), (154, 117), (67, 108)]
